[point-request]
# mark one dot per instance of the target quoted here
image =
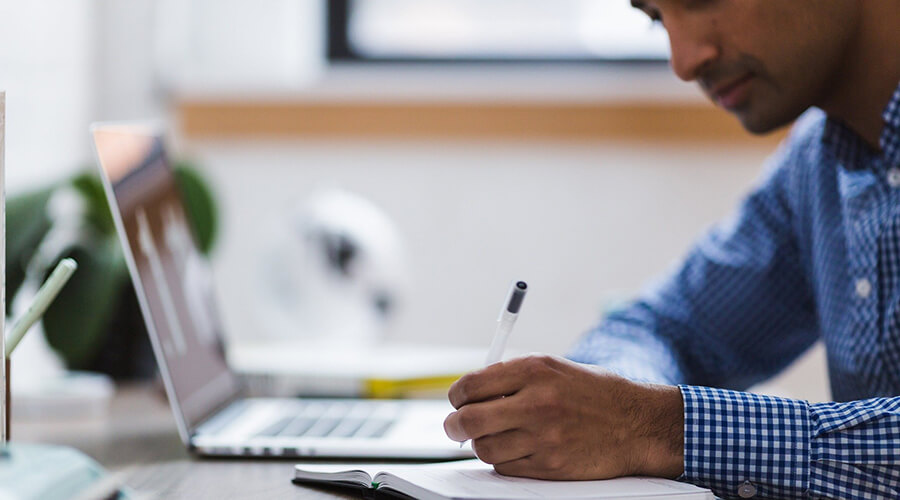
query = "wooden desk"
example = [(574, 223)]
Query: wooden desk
[(138, 439)]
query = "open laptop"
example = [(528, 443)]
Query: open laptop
[(174, 288)]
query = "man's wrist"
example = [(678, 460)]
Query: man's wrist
[(660, 442)]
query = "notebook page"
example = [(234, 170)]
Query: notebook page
[(357, 474), (337, 468), (466, 481)]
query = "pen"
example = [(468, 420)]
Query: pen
[(505, 322)]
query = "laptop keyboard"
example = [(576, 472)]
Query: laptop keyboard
[(338, 419)]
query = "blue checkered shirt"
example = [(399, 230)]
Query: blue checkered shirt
[(813, 252)]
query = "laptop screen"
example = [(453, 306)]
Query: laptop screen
[(171, 278)]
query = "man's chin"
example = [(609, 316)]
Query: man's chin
[(761, 125)]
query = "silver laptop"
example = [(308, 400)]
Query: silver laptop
[(174, 288)]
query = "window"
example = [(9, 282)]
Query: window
[(492, 30)]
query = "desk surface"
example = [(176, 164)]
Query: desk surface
[(138, 439)]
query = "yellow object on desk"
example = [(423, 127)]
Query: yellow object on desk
[(420, 387)]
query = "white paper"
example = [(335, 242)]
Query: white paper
[(488, 484), (473, 479)]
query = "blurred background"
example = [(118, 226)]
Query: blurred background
[(501, 140)]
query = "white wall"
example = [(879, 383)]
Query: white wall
[(128, 86), (47, 65), (581, 223), (150, 50)]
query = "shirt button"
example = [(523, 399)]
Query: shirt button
[(863, 288), (747, 490), (893, 177)]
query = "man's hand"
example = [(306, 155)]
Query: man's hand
[(549, 418)]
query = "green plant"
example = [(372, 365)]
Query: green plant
[(97, 307)]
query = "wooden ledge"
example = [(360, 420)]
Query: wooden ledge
[(468, 120)]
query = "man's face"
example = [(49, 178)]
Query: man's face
[(765, 61)]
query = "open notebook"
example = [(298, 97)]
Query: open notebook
[(473, 479)]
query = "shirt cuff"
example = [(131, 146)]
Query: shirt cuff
[(854, 451), (744, 445)]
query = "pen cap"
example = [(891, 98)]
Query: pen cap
[(517, 295)]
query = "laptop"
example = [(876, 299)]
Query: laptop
[(173, 283)]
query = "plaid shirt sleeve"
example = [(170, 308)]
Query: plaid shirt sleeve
[(736, 311), (744, 445)]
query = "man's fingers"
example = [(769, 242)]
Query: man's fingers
[(480, 419), (521, 467), (497, 380), (504, 446), (494, 381)]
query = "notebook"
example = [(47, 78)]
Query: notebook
[(473, 479)]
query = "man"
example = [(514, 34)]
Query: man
[(812, 253)]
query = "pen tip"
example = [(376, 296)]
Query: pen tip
[(521, 285)]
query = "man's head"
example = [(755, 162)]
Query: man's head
[(765, 61)]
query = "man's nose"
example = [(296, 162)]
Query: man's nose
[(693, 50)]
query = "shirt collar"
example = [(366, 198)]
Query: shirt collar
[(852, 151), (890, 136)]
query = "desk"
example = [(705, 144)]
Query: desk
[(138, 439)]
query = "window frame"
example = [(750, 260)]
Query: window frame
[(340, 50)]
